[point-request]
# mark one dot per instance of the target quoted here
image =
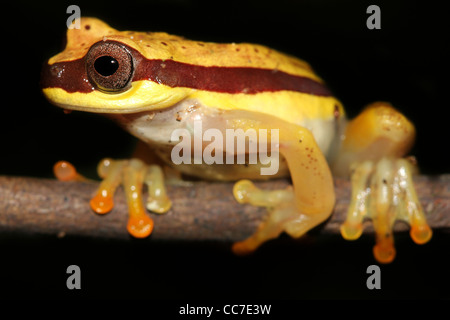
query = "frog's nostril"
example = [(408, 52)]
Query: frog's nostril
[(56, 70)]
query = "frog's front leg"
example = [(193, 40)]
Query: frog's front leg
[(131, 174), (300, 207), (382, 186)]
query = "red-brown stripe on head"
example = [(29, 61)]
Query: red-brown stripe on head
[(73, 77), (148, 73)]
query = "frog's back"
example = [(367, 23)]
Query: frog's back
[(259, 79), (245, 76)]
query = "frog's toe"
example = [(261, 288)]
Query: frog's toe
[(384, 192), (351, 230), (140, 226), (384, 250), (157, 201), (241, 190), (245, 191), (279, 219), (111, 172), (243, 248), (102, 204), (134, 174), (159, 205), (65, 171), (420, 233)]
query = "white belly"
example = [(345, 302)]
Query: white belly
[(155, 128)]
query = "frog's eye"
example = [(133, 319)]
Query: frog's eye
[(109, 66)]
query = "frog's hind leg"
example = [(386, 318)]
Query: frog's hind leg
[(300, 207), (382, 186)]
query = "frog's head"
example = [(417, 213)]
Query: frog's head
[(108, 71)]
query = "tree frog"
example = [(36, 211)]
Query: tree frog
[(153, 83)]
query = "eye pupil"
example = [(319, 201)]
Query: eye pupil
[(106, 65)]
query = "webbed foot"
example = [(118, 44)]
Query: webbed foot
[(384, 192), (283, 215)]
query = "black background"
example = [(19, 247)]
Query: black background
[(405, 63)]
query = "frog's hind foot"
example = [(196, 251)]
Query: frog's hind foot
[(384, 192), (283, 215), (132, 174)]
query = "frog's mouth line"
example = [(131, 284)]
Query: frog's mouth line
[(98, 102), (69, 108)]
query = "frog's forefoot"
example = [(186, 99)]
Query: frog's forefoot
[(384, 192), (132, 174), (65, 171)]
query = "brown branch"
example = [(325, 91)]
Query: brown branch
[(205, 211)]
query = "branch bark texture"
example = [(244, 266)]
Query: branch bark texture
[(203, 211)]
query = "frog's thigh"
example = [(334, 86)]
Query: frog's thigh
[(299, 208), (379, 131), (382, 186)]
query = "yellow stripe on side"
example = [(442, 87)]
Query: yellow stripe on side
[(143, 95), (294, 107), (291, 106)]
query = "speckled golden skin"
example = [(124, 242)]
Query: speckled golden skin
[(149, 95), (312, 129)]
